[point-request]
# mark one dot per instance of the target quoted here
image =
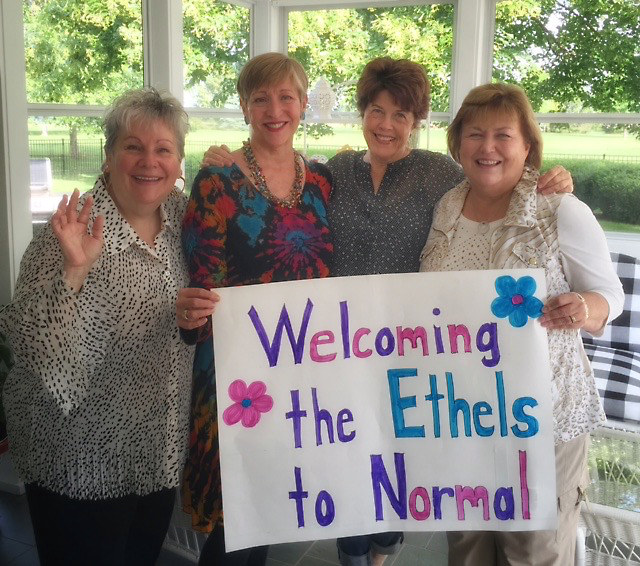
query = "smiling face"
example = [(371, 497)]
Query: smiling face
[(274, 113), (493, 152), (143, 167), (386, 128)]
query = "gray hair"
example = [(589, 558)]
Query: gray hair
[(145, 104)]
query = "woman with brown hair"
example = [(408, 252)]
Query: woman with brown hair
[(495, 219)]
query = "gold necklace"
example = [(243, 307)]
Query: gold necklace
[(261, 183)]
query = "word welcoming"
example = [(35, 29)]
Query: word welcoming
[(362, 345)]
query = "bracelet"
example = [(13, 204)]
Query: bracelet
[(586, 307)]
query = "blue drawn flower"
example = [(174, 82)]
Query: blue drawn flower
[(515, 300)]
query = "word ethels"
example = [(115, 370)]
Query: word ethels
[(362, 344)]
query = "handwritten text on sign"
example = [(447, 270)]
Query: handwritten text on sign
[(388, 402)]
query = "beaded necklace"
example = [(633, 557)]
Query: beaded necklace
[(261, 183)]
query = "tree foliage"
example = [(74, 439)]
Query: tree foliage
[(216, 45), (569, 55), (579, 54), (82, 51), (337, 44)]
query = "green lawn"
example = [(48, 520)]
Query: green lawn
[(609, 226), (594, 143), (563, 144)]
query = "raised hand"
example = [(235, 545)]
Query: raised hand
[(80, 247)]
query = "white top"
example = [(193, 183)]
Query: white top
[(583, 251), (98, 400), (558, 233)]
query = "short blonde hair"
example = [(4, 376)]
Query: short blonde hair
[(405, 81), (498, 98), (270, 69), (145, 105)]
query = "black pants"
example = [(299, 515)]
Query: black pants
[(214, 554), (125, 530)]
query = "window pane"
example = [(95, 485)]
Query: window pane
[(570, 56), (216, 46), (604, 161), (205, 132), (80, 52), (65, 153), (336, 44)]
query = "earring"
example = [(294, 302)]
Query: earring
[(246, 120), (303, 116)]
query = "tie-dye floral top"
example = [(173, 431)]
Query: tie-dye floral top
[(232, 235)]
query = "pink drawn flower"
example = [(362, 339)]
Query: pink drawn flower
[(249, 403)]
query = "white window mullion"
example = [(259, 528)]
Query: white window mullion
[(473, 32), (162, 45), (268, 28), (15, 213)]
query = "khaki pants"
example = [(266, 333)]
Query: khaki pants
[(533, 548)]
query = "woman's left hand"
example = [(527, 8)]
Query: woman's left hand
[(563, 312), (556, 180)]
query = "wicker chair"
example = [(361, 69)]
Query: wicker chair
[(181, 539), (610, 518)]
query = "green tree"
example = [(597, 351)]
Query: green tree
[(216, 45), (584, 52), (337, 44), (81, 52)]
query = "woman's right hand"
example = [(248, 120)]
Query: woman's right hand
[(194, 305), (217, 156), (80, 247)]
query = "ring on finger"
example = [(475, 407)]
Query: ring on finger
[(186, 315), (573, 319)]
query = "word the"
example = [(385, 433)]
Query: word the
[(320, 416)]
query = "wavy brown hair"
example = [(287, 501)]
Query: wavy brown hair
[(404, 80)]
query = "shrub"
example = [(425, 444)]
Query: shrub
[(610, 188)]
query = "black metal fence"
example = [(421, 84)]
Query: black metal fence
[(86, 157), (69, 161)]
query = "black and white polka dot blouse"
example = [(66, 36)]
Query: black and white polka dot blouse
[(384, 232), (98, 400)]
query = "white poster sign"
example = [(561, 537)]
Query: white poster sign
[(384, 403)]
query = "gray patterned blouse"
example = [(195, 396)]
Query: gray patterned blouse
[(384, 232)]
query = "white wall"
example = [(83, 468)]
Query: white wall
[(624, 243), (15, 214)]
